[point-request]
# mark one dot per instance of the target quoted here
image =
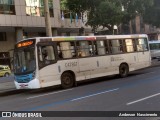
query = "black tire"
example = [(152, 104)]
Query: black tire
[(6, 75), (67, 80), (123, 70)]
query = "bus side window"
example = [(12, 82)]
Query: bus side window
[(59, 51), (46, 53), (129, 45), (134, 44), (73, 49), (146, 46), (40, 53), (142, 44), (50, 53), (66, 50), (100, 45), (116, 46), (84, 48)]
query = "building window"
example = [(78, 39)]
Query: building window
[(7, 7), (36, 8), (3, 36)]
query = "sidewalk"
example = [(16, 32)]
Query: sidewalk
[(7, 85), (8, 88)]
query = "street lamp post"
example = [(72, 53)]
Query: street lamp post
[(47, 19)]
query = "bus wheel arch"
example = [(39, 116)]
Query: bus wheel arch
[(68, 79), (123, 70)]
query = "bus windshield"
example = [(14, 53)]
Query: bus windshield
[(24, 60)]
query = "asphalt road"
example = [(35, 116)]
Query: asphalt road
[(140, 91)]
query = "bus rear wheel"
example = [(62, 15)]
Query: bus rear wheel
[(67, 80), (123, 70)]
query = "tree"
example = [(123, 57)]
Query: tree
[(82, 5), (108, 13), (63, 4), (152, 14), (132, 8)]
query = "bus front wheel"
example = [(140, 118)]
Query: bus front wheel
[(67, 80), (123, 70)]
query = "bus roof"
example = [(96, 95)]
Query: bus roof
[(70, 38), (126, 36)]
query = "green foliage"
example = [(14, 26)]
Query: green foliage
[(152, 14), (108, 13), (82, 5), (63, 4), (135, 7)]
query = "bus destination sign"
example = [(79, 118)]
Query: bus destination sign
[(24, 44)]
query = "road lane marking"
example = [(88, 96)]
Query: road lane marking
[(95, 94), (67, 100), (142, 99), (49, 94)]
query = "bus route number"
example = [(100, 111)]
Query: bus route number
[(71, 64)]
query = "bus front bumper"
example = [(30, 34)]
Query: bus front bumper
[(33, 84)]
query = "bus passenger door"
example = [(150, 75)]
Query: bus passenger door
[(47, 64)]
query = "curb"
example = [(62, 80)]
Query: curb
[(11, 92)]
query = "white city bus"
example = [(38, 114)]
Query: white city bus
[(48, 61), (155, 49)]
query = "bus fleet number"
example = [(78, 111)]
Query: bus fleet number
[(71, 64)]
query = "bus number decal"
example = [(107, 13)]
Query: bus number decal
[(71, 64), (116, 59)]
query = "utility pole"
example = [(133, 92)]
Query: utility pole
[(47, 19)]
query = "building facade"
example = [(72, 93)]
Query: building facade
[(137, 26), (25, 18), (21, 19)]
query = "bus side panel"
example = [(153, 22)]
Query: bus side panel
[(49, 76), (86, 66), (96, 67), (130, 59), (68, 65), (81, 67), (103, 67)]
